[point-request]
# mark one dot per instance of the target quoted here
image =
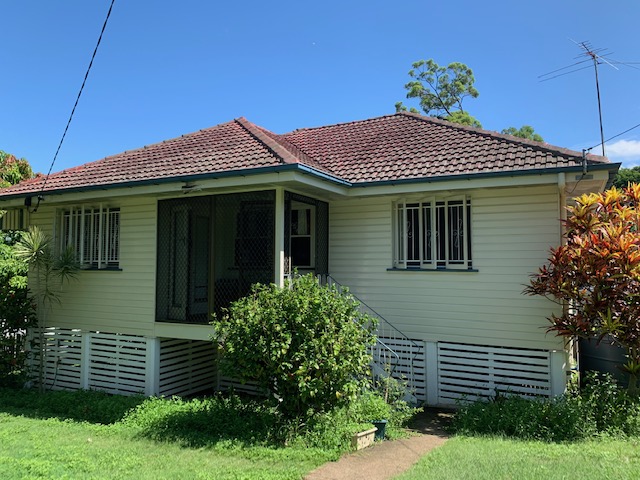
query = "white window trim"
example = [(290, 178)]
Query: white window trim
[(72, 225), (422, 262), (311, 235)]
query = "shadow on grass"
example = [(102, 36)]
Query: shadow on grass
[(82, 406), (206, 422)]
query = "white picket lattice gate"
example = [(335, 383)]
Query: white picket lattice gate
[(473, 372)]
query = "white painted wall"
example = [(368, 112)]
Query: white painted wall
[(113, 301), (512, 231)]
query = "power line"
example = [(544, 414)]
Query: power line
[(615, 136), (73, 110)]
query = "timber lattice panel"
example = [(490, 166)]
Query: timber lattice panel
[(474, 372), (62, 358), (117, 363), (186, 366)]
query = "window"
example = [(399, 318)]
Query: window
[(93, 234), (302, 236), (433, 234)]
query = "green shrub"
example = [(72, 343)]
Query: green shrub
[(601, 407), (17, 312), (304, 343)]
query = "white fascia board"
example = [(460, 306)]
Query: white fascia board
[(521, 180), (200, 187)]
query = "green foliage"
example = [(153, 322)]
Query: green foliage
[(49, 436), (601, 407), (463, 118), (13, 170), (49, 273), (526, 131), (304, 343), (441, 90), (50, 270), (198, 422), (597, 272), (81, 405), (626, 176), (491, 458), (17, 312)]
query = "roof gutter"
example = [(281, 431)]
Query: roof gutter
[(186, 178), (611, 167)]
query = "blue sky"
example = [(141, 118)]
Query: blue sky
[(166, 68)]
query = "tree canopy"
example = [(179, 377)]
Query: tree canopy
[(526, 131), (441, 90), (626, 176), (13, 170)]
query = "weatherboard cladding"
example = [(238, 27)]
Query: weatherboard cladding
[(402, 146)]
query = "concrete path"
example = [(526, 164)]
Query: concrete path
[(387, 459)]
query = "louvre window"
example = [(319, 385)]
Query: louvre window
[(433, 234), (93, 234)]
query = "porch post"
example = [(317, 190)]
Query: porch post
[(279, 238), (85, 359), (558, 372), (152, 366), (431, 372)]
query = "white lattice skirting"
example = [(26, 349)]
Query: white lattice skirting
[(437, 373), (124, 364), (473, 372)]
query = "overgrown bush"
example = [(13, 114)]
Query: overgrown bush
[(597, 272), (305, 343), (17, 312), (601, 407)]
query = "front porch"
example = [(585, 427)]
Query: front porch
[(212, 248)]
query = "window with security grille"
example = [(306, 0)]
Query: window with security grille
[(93, 233), (433, 234)]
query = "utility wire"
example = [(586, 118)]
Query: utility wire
[(86, 75), (611, 138)]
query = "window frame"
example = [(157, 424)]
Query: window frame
[(433, 248), (93, 233)]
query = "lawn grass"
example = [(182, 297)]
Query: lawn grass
[(91, 435), (54, 448), (492, 458)]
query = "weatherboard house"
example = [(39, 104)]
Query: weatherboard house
[(434, 226)]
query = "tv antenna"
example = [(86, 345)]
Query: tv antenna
[(595, 57)]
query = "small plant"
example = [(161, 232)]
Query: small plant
[(305, 343), (49, 273)]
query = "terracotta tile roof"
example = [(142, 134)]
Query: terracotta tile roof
[(231, 146), (410, 146), (394, 147)]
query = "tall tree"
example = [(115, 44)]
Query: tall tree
[(13, 170), (526, 131), (440, 90)]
